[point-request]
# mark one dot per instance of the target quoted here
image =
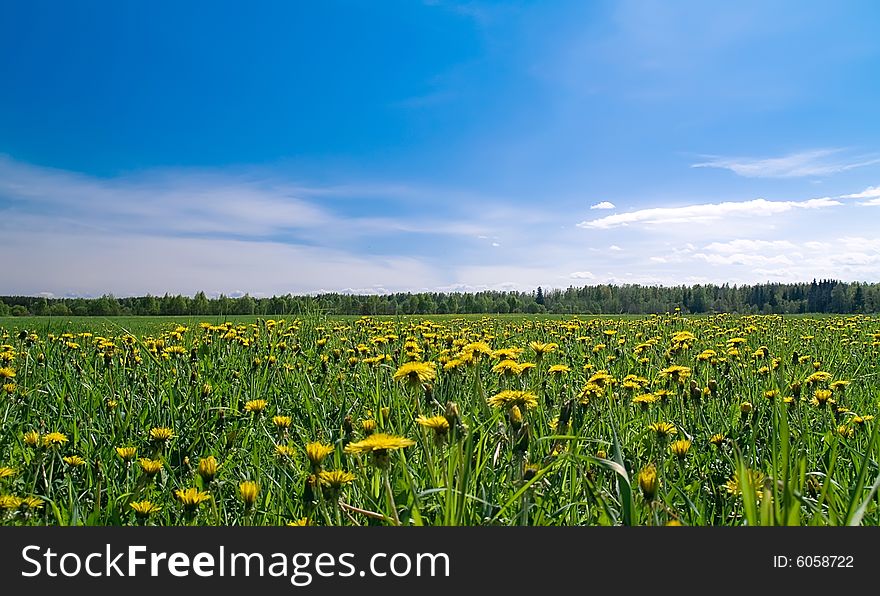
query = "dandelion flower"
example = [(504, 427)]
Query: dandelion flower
[(255, 406), (416, 373), (126, 453), (378, 445), (438, 424), (662, 429), (680, 448), (150, 467), (192, 497), (510, 397), (74, 461), (161, 433), (144, 508), (316, 452), (282, 421), (336, 479), (207, 468), (54, 439)]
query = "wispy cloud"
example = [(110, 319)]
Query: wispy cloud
[(705, 212), (817, 162)]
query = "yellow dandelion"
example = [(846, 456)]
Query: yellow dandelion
[(416, 373), (144, 508), (316, 452), (54, 439), (150, 467), (662, 429), (512, 397), (649, 482), (161, 433), (255, 406), (126, 453), (248, 491), (282, 421), (336, 479), (438, 424), (680, 448), (378, 445), (192, 497)]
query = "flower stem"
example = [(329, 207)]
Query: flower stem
[(387, 478)]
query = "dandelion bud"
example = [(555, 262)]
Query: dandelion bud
[(713, 387), (208, 468), (696, 392), (649, 482), (516, 418), (564, 415), (452, 414), (248, 491)]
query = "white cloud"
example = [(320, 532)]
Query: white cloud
[(749, 245), (705, 213), (869, 193), (603, 205), (614, 248), (139, 264), (871, 203), (795, 165), (581, 275)]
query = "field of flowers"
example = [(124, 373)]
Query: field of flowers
[(658, 420)]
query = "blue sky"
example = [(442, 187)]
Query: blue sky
[(280, 147)]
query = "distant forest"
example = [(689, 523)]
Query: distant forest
[(826, 296)]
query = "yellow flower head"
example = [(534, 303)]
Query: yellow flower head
[(54, 439), (255, 406), (378, 445), (208, 468), (151, 467), (336, 479), (282, 421), (144, 508), (191, 497), (416, 373), (511, 397), (649, 482), (439, 424), (161, 433), (680, 448), (662, 429), (248, 491), (126, 453), (31, 438), (317, 452)]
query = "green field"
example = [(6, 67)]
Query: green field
[(441, 420)]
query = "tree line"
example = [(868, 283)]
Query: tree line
[(825, 296)]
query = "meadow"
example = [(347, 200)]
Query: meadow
[(667, 419)]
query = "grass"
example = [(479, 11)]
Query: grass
[(796, 447)]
